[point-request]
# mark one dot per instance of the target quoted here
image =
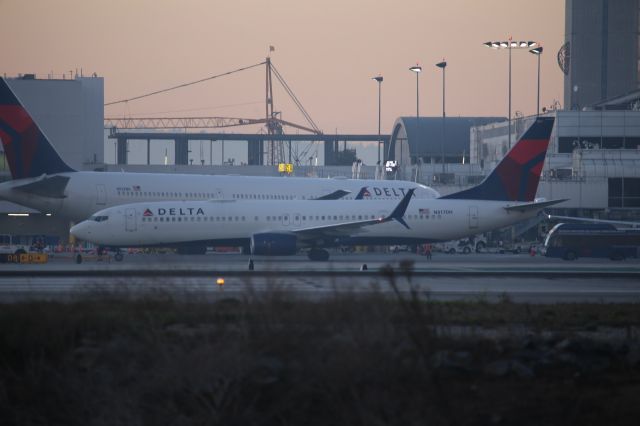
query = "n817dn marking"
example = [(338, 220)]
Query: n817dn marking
[(43, 181), (505, 197)]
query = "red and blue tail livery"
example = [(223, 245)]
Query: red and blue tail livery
[(27, 149), (516, 177)]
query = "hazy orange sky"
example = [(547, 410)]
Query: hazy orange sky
[(326, 50)]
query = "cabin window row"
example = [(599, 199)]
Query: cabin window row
[(204, 195), (268, 218), (195, 219), (263, 197)]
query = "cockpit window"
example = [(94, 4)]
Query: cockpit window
[(99, 218)]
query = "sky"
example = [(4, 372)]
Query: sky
[(327, 51)]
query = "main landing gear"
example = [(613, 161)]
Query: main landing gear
[(320, 255)]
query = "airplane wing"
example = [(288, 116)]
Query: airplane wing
[(46, 186), (346, 228), (589, 220), (534, 205)]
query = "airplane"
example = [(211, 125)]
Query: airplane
[(43, 181), (503, 198)]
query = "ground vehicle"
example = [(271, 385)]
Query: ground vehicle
[(9, 246), (477, 243), (514, 248), (570, 241)]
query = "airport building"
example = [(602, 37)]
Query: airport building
[(600, 57), (593, 161), (432, 140)]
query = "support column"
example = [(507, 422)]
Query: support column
[(330, 149), (182, 151), (122, 151), (254, 152), (148, 152)]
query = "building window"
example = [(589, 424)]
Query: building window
[(624, 192), (612, 143)]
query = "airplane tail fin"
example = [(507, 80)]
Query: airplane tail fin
[(364, 192), (516, 177), (28, 151)]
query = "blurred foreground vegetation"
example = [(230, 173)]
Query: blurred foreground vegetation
[(273, 359)]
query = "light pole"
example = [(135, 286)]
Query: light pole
[(417, 69), (442, 65), (509, 45), (379, 79), (538, 52)]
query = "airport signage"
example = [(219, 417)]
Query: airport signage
[(24, 258), (285, 168)]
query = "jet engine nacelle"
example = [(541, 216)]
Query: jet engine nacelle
[(272, 244)]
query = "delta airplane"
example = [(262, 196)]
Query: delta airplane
[(43, 181), (503, 198)]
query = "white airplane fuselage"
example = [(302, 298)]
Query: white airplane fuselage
[(235, 222), (88, 192)]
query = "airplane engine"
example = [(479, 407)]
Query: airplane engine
[(272, 244)]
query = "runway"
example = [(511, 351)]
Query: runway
[(490, 277)]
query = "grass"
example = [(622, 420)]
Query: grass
[(273, 359)]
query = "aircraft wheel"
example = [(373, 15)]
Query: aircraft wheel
[(319, 255)]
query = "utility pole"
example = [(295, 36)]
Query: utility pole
[(269, 112)]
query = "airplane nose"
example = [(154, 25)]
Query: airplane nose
[(81, 231)]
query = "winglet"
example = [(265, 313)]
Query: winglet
[(398, 213)]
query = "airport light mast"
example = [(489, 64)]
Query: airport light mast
[(510, 45)]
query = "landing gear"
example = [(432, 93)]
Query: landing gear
[(320, 255)]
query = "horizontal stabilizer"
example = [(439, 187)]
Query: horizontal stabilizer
[(335, 195), (534, 205), (52, 187)]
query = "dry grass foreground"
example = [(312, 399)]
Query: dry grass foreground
[(270, 359)]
